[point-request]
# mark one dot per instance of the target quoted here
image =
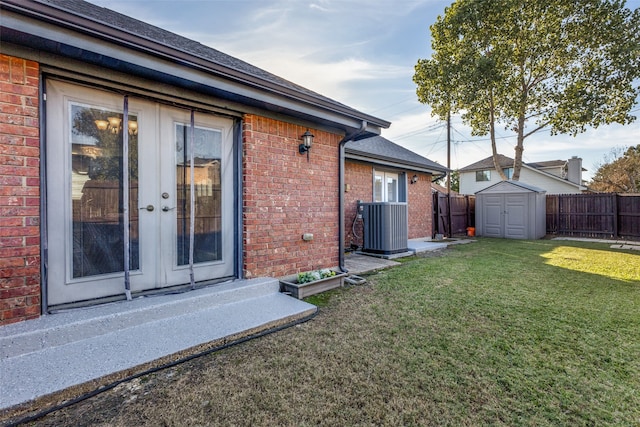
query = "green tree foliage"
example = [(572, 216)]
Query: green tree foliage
[(531, 65), (619, 173), (455, 180)]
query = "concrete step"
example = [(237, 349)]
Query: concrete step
[(80, 323), (63, 350)]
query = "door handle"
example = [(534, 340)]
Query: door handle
[(167, 208), (150, 208)]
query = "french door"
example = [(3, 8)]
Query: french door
[(179, 200), (385, 187)]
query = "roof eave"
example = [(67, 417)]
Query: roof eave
[(120, 37), (394, 163)]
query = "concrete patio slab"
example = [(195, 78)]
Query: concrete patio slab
[(587, 239), (358, 263), (81, 346), (629, 247), (363, 262)]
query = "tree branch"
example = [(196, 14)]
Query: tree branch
[(542, 126)]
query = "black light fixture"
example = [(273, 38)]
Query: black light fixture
[(414, 179), (307, 141)]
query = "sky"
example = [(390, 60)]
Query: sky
[(362, 53)]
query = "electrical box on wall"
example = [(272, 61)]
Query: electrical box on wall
[(360, 209), (307, 237)]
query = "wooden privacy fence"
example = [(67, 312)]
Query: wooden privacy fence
[(606, 215), (453, 215)]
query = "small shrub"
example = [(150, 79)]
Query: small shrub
[(311, 276)]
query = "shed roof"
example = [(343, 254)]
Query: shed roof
[(381, 151), (513, 185)]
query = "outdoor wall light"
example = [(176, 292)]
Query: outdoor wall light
[(414, 179), (307, 141)]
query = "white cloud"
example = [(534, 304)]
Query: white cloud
[(361, 54), (318, 7)]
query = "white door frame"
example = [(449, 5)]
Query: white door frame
[(157, 228)]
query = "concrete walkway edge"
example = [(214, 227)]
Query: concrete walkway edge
[(57, 354)]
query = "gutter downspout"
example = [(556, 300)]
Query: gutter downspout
[(435, 178), (341, 156)]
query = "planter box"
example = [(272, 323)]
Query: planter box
[(311, 288)]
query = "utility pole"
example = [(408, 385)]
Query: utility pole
[(449, 174), (449, 151)]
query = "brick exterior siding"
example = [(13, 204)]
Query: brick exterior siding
[(285, 196), (359, 180), (358, 177), (19, 190), (420, 206)]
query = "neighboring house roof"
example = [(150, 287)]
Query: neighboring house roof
[(381, 151), (437, 188), (550, 164), (547, 164), (484, 164), (507, 162), (97, 23), (538, 167)]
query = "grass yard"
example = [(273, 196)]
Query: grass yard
[(496, 332)]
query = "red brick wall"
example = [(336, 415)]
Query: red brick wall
[(286, 196), (19, 190), (358, 177), (420, 206), (359, 180)]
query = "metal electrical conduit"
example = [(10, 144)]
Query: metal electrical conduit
[(341, 157)]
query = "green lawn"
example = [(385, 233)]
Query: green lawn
[(495, 332)]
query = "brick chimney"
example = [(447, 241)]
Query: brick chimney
[(574, 170)]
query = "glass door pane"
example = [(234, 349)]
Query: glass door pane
[(378, 190), (207, 194), (392, 188), (97, 191)]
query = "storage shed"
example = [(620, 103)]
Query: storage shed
[(512, 210)]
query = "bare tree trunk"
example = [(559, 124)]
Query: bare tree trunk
[(517, 160), (492, 132)]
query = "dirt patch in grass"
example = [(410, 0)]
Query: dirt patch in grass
[(492, 333)]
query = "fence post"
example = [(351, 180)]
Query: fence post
[(468, 209), (558, 201), (614, 205), (436, 226)]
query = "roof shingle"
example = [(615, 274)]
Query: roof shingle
[(380, 148)]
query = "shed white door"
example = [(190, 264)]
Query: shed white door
[(493, 215), (515, 219), (505, 215), (86, 195)]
